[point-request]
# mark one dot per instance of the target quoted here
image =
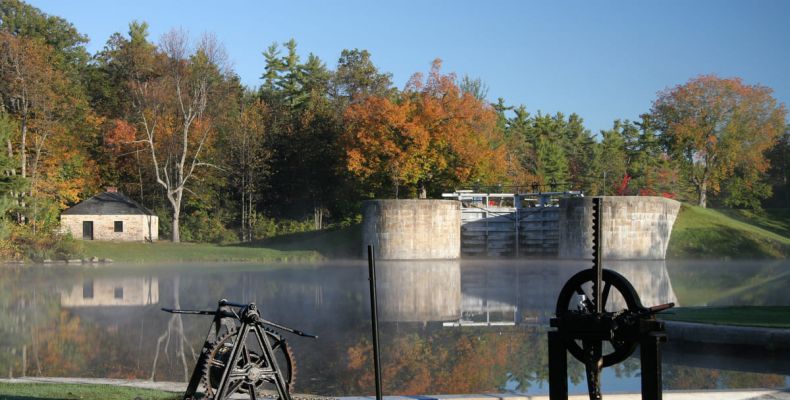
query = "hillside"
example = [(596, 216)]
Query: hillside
[(707, 233)]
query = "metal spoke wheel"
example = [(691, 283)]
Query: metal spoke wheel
[(251, 372), (617, 295)]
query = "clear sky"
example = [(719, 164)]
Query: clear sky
[(600, 59)]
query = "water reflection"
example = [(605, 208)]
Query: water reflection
[(132, 291), (447, 327), (419, 291)]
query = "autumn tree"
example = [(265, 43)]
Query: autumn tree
[(23, 20), (432, 138), (714, 126), (170, 101), (54, 126)]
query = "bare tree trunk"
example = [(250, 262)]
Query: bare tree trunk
[(176, 230), (22, 149), (249, 216), (703, 194)]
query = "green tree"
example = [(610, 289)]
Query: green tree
[(356, 77), (551, 163), (779, 173), (613, 157)]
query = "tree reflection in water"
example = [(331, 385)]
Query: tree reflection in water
[(49, 328)]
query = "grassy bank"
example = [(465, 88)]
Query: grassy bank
[(32, 391), (160, 252), (765, 317), (307, 246), (708, 233)]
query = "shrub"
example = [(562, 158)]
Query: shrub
[(25, 244)]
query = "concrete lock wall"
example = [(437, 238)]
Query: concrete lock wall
[(634, 227), (412, 229)]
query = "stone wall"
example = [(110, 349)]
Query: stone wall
[(412, 229), (136, 227), (634, 227)]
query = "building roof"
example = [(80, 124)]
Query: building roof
[(108, 203)]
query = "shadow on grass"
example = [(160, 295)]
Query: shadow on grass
[(330, 243)]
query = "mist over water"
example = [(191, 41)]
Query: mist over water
[(446, 326)]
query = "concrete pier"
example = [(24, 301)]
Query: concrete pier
[(634, 227), (412, 229)]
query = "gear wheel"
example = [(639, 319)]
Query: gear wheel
[(252, 361)]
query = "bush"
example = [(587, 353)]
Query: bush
[(264, 228), (24, 244), (198, 226)]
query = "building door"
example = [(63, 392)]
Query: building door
[(87, 230)]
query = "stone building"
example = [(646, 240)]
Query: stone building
[(110, 216)]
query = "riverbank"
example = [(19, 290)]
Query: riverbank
[(297, 247), (161, 252), (698, 233)]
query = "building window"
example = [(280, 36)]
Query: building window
[(118, 226), (87, 289), (119, 293)]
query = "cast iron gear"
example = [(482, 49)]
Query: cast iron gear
[(252, 371)]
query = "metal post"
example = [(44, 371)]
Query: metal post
[(558, 368), (375, 319), (650, 348)]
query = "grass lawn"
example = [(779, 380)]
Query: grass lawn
[(32, 391), (707, 233), (193, 252), (776, 220), (766, 317)]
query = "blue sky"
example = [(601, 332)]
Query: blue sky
[(600, 59)]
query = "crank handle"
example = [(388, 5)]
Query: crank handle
[(193, 312), (659, 308), (285, 328), (304, 334)]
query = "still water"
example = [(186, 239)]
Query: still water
[(446, 326)]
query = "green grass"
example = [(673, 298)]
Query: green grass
[(160, 252), (765, 317), (31, 391), (708, 233), (335, 243), (776, 220), (307, 246)]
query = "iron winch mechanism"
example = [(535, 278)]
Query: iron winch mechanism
[(242, 353), (600, 321)]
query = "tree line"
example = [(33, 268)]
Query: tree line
[(170, 124)]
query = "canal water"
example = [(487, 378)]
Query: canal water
[(446, 326)]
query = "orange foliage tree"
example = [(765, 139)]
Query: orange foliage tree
[(432, 137), (55, 126), (714, 125)]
